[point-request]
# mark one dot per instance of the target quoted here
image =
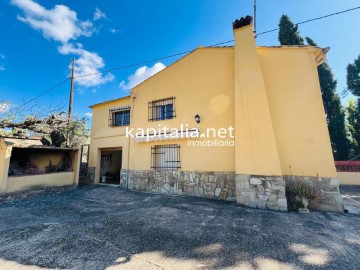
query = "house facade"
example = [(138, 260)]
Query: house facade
[(230, 123)]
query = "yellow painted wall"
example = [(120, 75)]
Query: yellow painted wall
[(17, 183), (104, 137), (202, 83), (297, 111), (8, 184), (42, 161), (256, 149), (100, 119), (349, 178), (270, 95), (76, 161), (5, 154)]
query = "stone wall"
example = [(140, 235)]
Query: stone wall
[(212, 185), (265, 192), (268, 192), (330, 198)]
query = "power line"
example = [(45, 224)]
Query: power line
[(42, 94), (214, 45), (132, 65), (178, 54), (148, 61), (314, 19)]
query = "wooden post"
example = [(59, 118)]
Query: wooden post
[(71, 89), (254, 30)]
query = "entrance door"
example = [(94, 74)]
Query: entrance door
[(110, 166)]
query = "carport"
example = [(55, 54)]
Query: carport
[(26, 163)]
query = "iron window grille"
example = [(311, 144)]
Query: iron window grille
[(165, 157), (119, 116), (161, 109)]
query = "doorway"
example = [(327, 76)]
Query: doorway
[(110, 166)]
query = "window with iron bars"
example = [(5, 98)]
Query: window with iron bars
[(165, 157), (119, 116), (161, 109)]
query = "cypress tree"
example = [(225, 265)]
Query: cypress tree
[(353, 117), (353, 77), (335, 114), (288, 33), (353, 109)]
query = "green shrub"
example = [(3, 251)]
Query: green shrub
[(297, 189)]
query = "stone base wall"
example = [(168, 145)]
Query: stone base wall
[(330, 198), (268, 192), (212, 185), (265, 192)]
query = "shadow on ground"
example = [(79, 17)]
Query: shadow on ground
[(103, 227), (351, 198)]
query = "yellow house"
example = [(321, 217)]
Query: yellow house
[(231, 123)]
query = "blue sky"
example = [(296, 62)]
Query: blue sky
[(39, 39)]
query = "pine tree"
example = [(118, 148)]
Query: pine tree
[(353, 117), (288, 33), (335, 114)]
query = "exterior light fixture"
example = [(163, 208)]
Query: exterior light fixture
[(197, 118)]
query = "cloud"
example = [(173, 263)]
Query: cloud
[(4, 107), (2, 67), (87, 63), (88, 114), (113, 30), (98, 14), (60, 23), (140, 75)]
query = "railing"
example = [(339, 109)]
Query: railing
[(119, 116), (165, 157), (347, 166), (161, 109), (84, 165)]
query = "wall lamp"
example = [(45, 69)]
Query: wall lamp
[(197, 118)]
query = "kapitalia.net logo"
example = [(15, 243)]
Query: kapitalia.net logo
[(208, 137)]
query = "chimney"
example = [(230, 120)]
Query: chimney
[(255, 145), (242, 22)]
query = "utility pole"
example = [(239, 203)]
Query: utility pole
[(254, 30), (71, 89)]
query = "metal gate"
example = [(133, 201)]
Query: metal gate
[(84, 165)]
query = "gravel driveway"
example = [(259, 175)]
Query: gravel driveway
[(105, 227)]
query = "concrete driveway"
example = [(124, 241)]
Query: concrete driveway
[(104, 227), (351, 198)]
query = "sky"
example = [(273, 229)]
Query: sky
[(39, 39)]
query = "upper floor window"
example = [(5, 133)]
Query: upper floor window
[(161, 109), (119, 116)]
